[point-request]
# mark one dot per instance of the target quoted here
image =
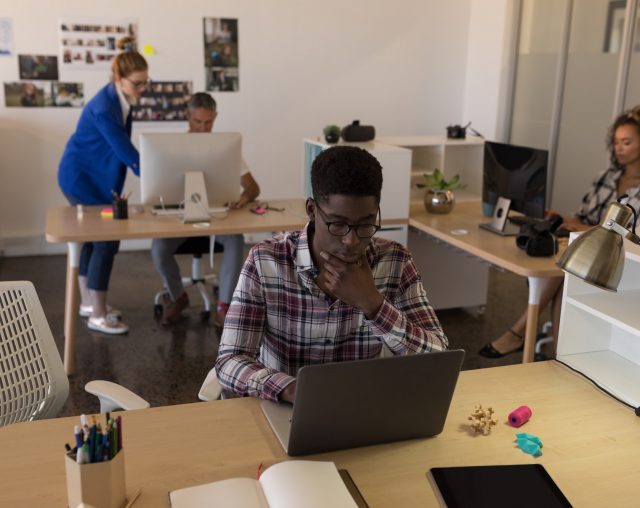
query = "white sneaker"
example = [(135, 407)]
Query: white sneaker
[(107, 324), (87, 310)]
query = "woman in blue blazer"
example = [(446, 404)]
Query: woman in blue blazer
[(93, 168)]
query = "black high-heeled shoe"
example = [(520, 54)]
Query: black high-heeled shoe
[(488, 351)]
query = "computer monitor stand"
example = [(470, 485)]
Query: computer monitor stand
[(196, 203), (500, 225)]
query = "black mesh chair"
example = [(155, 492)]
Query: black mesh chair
[(196, 247)]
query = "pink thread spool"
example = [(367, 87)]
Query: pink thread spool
[(520, 416)]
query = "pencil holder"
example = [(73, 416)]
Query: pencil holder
[(100, 484), (120, 209)]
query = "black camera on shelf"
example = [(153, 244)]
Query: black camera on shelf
[(537, 238), (457, 131)]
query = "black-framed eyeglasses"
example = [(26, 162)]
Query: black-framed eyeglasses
[(139, 84), (341, 228)]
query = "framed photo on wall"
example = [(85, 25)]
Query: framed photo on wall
[(221, 55), (38, 67), (163, 101)]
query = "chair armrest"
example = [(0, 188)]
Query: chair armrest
[(210, 389), (113, 396)]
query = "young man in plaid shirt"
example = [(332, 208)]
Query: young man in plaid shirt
[(331, 292)]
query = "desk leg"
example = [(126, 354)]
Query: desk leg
[(71, 305), (535, 291)]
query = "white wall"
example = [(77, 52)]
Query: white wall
[(303, 64), (490, 48)]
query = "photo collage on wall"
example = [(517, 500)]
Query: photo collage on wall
[(93, 44), (41, 88), (221, 56), (163, 101)]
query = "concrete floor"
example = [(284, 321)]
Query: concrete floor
[(167, 365)]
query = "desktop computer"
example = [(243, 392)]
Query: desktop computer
[(190, 171), (514, 179)]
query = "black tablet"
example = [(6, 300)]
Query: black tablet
[(522, 485)]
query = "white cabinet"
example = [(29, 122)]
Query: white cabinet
[(452, 278), (396, 176), (600, 330), (451, 156)]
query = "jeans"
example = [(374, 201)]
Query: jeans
[(96, 259)]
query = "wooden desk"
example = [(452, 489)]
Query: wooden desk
[(498, 250), (63, 225), (590, 445)]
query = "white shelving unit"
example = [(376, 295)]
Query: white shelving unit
[(451, 156), (600, 330), (396, 174), (452, 278)]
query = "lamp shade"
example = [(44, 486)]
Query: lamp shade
[(597, 257)]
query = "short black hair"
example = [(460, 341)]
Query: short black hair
[(202, 100), (345, 170)]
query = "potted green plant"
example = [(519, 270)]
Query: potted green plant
[(331, 133), (439, 197)]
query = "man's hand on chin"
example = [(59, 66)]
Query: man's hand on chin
[(351, 283)]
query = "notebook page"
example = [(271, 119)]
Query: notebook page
[(305, 483), (233, 493)]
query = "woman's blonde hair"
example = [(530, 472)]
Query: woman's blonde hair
[(129, 61)]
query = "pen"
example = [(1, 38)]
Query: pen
[(119, 430), (105, 446), (92, 443), (78, 434)]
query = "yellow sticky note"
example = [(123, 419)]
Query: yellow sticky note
[(148, 49)]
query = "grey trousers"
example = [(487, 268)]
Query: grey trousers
[(164, 261)]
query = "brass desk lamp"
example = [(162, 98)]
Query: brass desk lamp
[(597, 255)]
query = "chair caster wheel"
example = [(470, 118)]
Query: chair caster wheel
[(205, 315), (157, 310)]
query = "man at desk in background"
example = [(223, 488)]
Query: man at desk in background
[(201, 114), (330, 292)]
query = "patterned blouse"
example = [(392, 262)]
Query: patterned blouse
[(604, 191)]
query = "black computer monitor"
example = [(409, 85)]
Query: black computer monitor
[(518, 173)]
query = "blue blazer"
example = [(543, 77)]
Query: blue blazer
[(95, 160)]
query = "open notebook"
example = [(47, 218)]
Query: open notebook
[(364, 402), (285, 485)]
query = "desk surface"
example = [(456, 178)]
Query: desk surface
[(591, 445), (63, 224), (498, 250)]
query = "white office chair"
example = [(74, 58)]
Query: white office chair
[(33, 384), (196, 246)]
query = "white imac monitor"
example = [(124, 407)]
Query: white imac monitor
[(168, 161)]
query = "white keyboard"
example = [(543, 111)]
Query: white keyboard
[(179, 212)]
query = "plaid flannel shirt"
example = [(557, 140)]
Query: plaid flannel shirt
[(280, 320), (604, 191)]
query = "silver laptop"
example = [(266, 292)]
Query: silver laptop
[(365, 402)]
